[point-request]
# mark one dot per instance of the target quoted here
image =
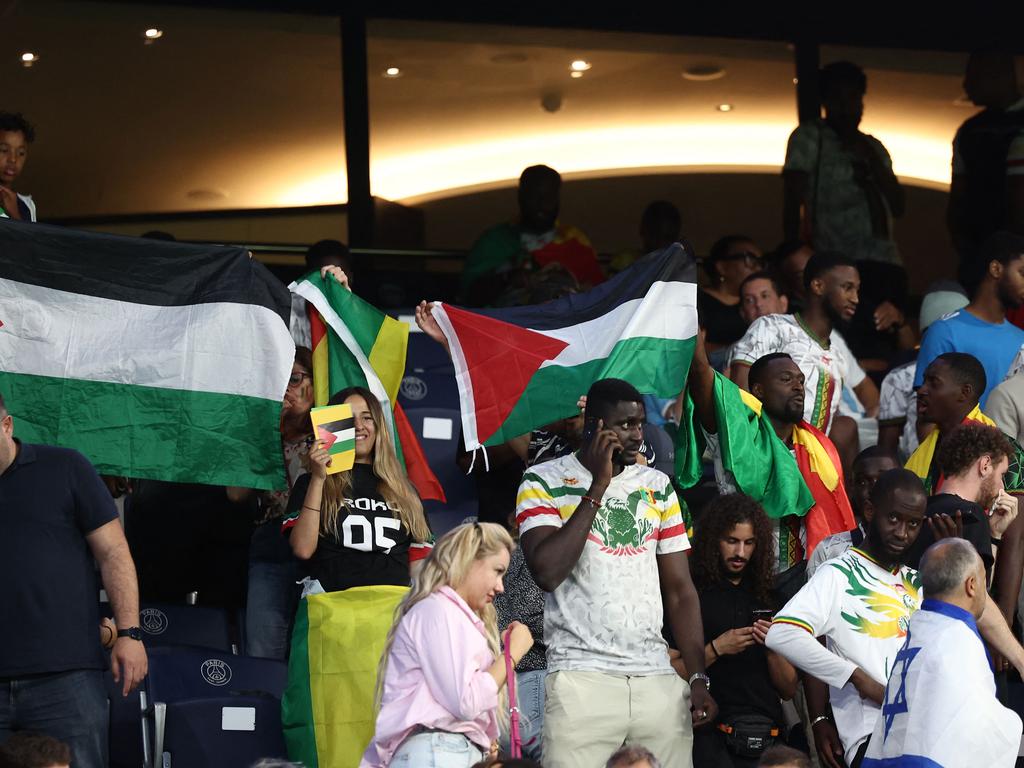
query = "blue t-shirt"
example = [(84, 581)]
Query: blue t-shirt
[(995, 346), (50, 499)]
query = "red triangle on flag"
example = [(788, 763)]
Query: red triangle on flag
[(328, 437), (501, 358)]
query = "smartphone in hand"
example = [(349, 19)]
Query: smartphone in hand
[(761, 614)]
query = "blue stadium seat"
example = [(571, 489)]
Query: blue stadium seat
[(429, 376), (167, 624), (208, 708), (438, 430)]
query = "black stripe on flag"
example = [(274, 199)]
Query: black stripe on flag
[(334, 427), (136, 270), (673, 264)]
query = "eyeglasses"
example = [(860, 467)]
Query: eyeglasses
[(750, 259), (296, 378)]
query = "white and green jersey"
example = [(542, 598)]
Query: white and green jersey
[(827, 366), (863, 610), (607, 615)]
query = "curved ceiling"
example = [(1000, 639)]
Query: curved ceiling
[(233, 110)]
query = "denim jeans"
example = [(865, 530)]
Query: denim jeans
[(273, 593), (437, 750), (530, 697), (69, 706)]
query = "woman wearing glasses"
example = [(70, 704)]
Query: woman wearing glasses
[(731, 260), (273, 569)]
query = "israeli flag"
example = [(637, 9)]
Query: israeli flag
[(940, 708)]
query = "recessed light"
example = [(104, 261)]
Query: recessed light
[(28, 59), (575, 74), (580, 65), (392, 72), (703, 72), (724, 107), (153, 33), (796, 80)]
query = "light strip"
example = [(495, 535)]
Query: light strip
[(419, 175)]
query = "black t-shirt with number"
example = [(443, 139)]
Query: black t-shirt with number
[(372, 546)]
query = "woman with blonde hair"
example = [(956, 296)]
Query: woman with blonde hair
[(442, 668), (364, 526)]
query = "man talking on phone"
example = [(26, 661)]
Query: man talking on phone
[(605, 536)]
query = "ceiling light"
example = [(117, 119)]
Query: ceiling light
[(704, 72), (392, 72), (153, 33), (575, 74), (28, 59), (724, 107), (580, 65)]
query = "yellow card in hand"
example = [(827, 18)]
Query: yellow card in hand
[(336, 428)]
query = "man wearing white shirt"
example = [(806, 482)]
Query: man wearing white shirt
[(940, 706), (861, 602)]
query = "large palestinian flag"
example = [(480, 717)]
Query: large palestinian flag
[(357, 345), (521, 368), (156, 360)]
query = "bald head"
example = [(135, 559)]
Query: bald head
[(953, 572)]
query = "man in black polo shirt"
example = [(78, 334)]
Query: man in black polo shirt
[(732, 569), (55, 517), (974, 459)]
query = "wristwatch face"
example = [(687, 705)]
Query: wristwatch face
[(133, 632)]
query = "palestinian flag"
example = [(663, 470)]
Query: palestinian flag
[(156, 360), (521, 368), (366, 349)]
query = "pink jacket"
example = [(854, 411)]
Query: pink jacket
[(436, 678)]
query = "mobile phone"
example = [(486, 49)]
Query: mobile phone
[(761, 614), (589, 430)]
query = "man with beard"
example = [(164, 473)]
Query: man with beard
[(861, 602), (732, 565), (759, 442), (981, 328), (974, 459), (605, 537), (867, 467), (811, 338), (947, 398)]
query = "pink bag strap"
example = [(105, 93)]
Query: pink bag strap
[(515, 741)]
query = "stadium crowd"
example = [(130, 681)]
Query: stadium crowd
[(865, 613)]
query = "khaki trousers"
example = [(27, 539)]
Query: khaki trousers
[(589, 715)]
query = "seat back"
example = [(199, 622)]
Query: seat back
[(180, 673), (225, 732), (169, 624)]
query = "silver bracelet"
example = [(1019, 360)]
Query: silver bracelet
[(700, 676), (818, 719)]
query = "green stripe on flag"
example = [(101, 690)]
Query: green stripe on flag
[(341, 447), (652, 365), (297, 702), (152, 428)]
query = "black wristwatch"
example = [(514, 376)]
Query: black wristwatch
[(133, 632)]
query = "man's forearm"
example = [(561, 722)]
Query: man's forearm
[(552, 558), (121, 583), (683, 608), (1006, 578), (807, 654), (993, 627)]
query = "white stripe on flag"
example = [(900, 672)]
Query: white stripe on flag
[(345, 435), (227, 348), (462, 378), (668, 311)]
